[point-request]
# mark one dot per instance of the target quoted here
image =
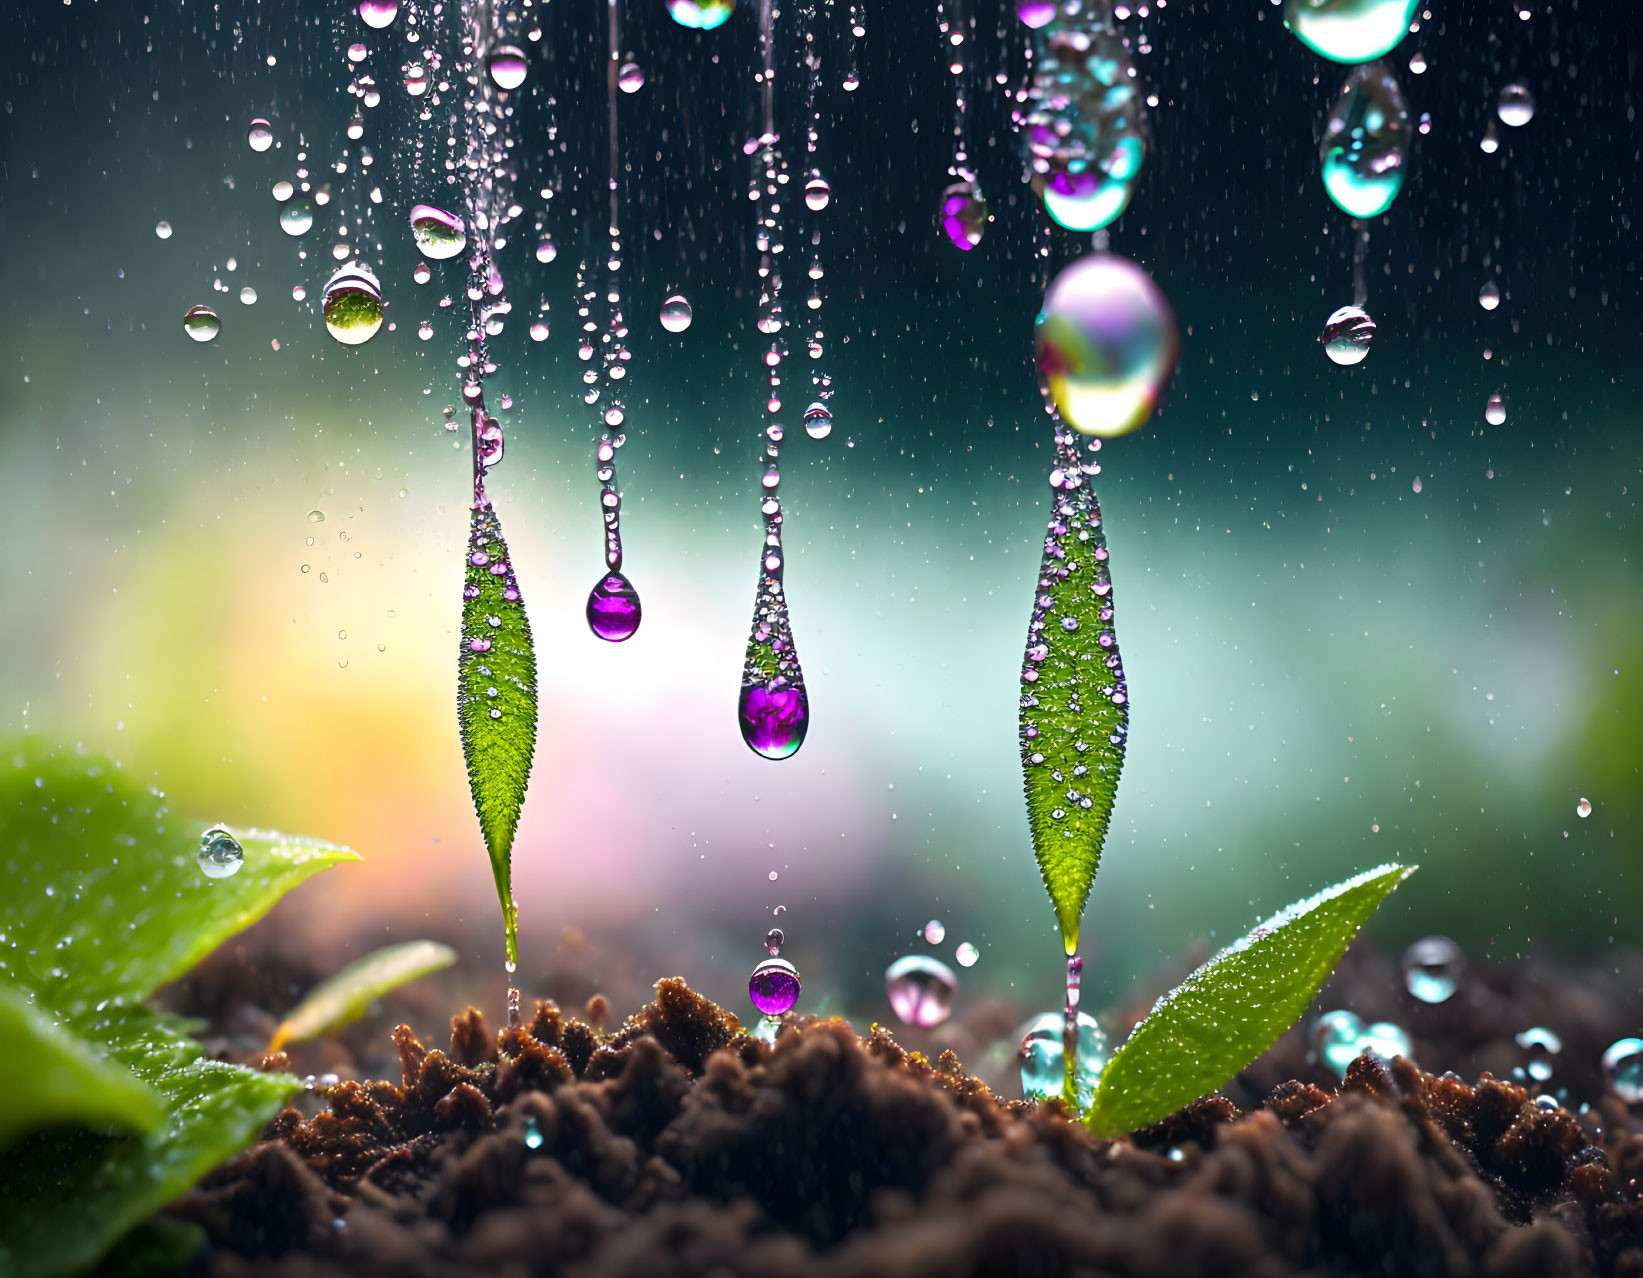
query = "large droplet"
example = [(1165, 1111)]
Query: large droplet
[(774, 987), (1515, 106), (220, 853), (920, 990), (1541, 1048), (353, 305), (1339, 1038), (963, 214), (1432, 968), (613, 608), (378, 13), (774, 717), (507, 66), (818, 420), (817, 193), (1494, 412), (201, 323), (630, 78), (296, 217), (701, 15), (1043, 1058), (438, 234), (259, 137), (1347, 335), (1623, 1069), (935, 931), (1366, 142), (1035, 13), (1489, 296), (676, 314), (1350, 30), (1106, 343)]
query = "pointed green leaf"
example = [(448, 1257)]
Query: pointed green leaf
[(1235, 1006), (101, 892), (1074, 702), (496, 700), (340, 1000)]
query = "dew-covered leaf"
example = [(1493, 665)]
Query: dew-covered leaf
[(48, 1076), (342, 999), (102, 895), (496, 699), (1235, 1006), (1074, 702)]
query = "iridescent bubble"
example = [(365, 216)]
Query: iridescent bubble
[(1494, 412), (817, 193), (967, 954), (818, 420), (774, 987), (437, 233), (1347, 335), (1541, 1049), (378, 13), (1623, 1069), (163, 230), (1106, 343), (701, 15), (1350, 30), (1432, 968), (1489, 296), (1035, 13), (1366, 142), (201, 323), (935, 931), (1043, 1058), (676, 314), (963, 214), (1515, 105), (1583, 809), (296, 217), (920, 989), (507, 66), (221, 855), (631, 77), (774, 717), (259, 136), (352, 306), (613, 608)]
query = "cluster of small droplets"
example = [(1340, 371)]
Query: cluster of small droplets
[(858, 32), (817, 195)]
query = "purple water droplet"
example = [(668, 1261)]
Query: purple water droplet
[(774, 719), (613, 608), (774, 987)]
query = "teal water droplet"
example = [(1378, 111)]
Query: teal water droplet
[(1623, 1069), (1385, 1040), (533, 1134), (1433, 966), (1349, 30), (1366, 142), (1541, 1047), (920, 990), (221, 855), (438, 234), (1043, 1058)]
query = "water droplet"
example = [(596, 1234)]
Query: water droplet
[(1432, 968), (1583, 809), (201, 323), (1106, 344), (1365, 142), (220, 853), (546, 251), (378, 13), (1515, 106), (773, 717), (1494, 412), (818, 420), (676, 314), (296, 217), (353, 305), (920, 989), (1339, 1038), (1035, 13), (438, 234), (507, 66), (631, 77), (282, 190), (248, 296), (935, 931), (1417, 63), (1489, 143), (1043, 1058), (817, 193), (259, 137), (533, 1134), (1347, 335), (701, 15), (1542, 1047), (163, 230), (1623, 1069), (613, 608), (1489, 296), (1349, 30), (316, 516), (963, 214), (967, 954), (773, 940), (539, 332), (774, 987)]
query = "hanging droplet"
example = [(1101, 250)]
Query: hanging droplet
[(201, 323), (1541, 1047), (352, 306), (774, 987), (920, 989), (1350, 30), (163, 230), (774, 717), (701, 15), (967, 954), (676, 314), (1347, 335), (817, 193), (1623, 1069), (1489, 296), (1583, 809), (259, 137), (613, 608), (1494, 412), (220, 853), (546, 251), (963, 214), (1515, 106), (1106, 344), (1366, 142), (1043, 1058), (935, 931), (818, 420), (438, 234), (631, 77), (507, 66), (1432, 968), (378, 14), (773, 940), (296, 217)]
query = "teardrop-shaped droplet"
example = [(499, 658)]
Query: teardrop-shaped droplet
[(1366, 142), (1350, 30), (963, 214), (613, 608)]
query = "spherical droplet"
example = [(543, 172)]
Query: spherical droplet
[(1347, 335), (631, 77), (963, 215), (1334, 1039), (935, 931), (817, 193), (613, 608), (920, 989), (773, 717), (260, 136), (201, 323), (438, 234), (1583, 809), (701, 15), (220, 853), (676, 314), (1349, 30), (546, 251), (1365, 143), (1035, 13), (1515, 106), (1489, 296), (774, 987), (296, 217), (1494, 412), (1106, 344), (773, 940), (1623, 1069), (1541, 1048), (163, 230), (1432, 968), (1043, 1057), (507, 66), (967, 954), (818, 420), (378, 13), (248, 296), (352, 306)]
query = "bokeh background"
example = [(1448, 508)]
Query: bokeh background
[(1329, 669)]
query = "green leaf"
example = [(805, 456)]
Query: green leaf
[(101, 892), (48, 1076), (496, 700), (342, 999), (70, 1192), (1074, 702), (1235, 1006)]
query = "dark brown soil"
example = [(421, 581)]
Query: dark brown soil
[(679, 1146)]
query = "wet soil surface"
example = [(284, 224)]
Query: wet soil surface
[(675, 1144)]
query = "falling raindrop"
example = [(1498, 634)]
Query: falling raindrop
[(1583, 809), (773, 940), (507, 66), (282, 190), (1350, 30), (818, 420), (1494, 412), (963, 214), (248, 296), (316, 516), (416, 79), (817, 193), (613, 608), (1515, 106), (220, 853), (676, 314), (1489, 296), (701, 15), (533, 1134), (1347, 335), (1541, 1047), (1489, 143), (774, 987), (1432, 968), (378, 13), (1623, 1069), (1035, 13), (438, 234), (631, 78), (1043, 1057), (352, 305), (296, 217), (935, 931), (259, 136), (163, 230), (966, 954), (201, 323), (1366, 142), (920, 989), (1339, 1038)]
